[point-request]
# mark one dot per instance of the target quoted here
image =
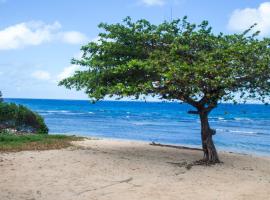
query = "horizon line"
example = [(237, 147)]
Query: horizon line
[(130, 100)]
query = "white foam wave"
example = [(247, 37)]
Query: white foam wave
[(56, 111), (241, 132), (242, 119)]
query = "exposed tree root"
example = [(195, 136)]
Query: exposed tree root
[(109, 185), (188, 166), (206, 162)]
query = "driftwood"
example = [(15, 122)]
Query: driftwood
[(173, 146)]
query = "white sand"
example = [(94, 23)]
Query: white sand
[(116, 170)]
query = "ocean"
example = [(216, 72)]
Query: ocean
[(243, 128)]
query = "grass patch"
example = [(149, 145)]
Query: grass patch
[(13, 143)]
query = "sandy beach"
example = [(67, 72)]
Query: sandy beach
[(111, 169)]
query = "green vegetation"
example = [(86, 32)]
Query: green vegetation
[(10, 142), (175, 60), (31, 132), (21, 119), (1, 98)]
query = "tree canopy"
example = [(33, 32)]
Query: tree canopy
[(175, 60)]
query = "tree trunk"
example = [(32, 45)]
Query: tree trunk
[(209, 149)]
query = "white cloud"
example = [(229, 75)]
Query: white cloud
[(96, 39), (73, 37), (241, 20), (78, 55), (24, 34), (41, 75), (153, 2), (35, 33), (67, 72)]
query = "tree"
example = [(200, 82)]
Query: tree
[(1, 98), (175, 60)]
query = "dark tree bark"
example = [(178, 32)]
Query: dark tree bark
[(209, 149)]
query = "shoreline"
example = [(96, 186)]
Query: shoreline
[(220, 150), (106, 169), (182, 146)]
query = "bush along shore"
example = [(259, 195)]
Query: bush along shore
[(23, 129), (19, 119)]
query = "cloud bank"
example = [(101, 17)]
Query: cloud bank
[(35, 33), (242, 19)]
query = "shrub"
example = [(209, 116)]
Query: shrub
[(21, 119)]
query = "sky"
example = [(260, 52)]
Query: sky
[(38, 39)]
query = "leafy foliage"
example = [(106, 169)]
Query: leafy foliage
[(22, 119), (174, 60), (1, 98)]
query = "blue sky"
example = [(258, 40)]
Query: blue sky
[(39, 38)]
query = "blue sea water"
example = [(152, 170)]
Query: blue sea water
[(240, 128)]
